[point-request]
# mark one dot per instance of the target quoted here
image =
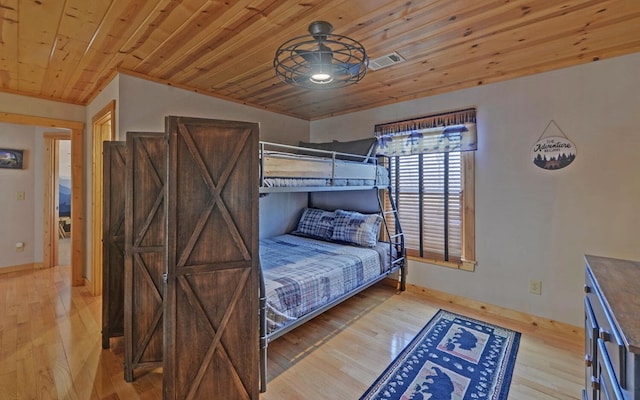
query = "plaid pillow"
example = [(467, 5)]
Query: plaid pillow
[(316, 223), (353, 227)]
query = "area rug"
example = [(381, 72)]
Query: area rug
[(453, 357)]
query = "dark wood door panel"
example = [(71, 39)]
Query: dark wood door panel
[(145, 244), (211, 303), (115, 156)]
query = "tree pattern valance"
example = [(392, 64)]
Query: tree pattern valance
[(441, 133)]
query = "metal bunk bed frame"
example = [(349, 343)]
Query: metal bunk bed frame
[(395, 238)]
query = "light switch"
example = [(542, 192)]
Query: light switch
[(19, 195)]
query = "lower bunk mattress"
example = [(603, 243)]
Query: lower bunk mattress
[(303, 274)]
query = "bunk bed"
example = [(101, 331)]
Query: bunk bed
[(335, 252)]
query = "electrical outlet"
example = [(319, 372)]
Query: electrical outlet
[(20, 195), (20, 247), (535, 287)]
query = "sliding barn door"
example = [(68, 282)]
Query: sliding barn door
[(211, 317), (145, 246), (113, 179)]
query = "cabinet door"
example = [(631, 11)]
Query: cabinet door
[(591, 353), (211, 306), (608, 384), (607, 329)]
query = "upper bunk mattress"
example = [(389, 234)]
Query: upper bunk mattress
[(302, 274), (291, 170)]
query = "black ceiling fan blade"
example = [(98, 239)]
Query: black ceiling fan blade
[(310, 56), (345, 68), (322, 55)]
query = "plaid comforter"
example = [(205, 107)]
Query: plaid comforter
[(302, 274)]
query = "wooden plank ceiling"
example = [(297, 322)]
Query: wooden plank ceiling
[(67, 50)]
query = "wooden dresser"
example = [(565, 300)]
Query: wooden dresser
[(612, 329)]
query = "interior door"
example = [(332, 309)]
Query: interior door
[(145, 250), (115, 156), (211, 303)]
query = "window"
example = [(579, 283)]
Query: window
[(434, 193)]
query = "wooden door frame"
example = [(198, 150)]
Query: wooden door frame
[(107, 114), (51, 202), (77, 183)]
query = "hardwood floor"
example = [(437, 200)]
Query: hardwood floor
[(50, 346), (64, 251)]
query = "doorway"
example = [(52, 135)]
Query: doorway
[(57, 199), (104, 130), (64, 202), (77, 209)]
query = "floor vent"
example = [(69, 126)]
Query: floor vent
[(385, 61)]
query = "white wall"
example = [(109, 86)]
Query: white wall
[(64, 160), (16, 104), (17, 216), (38, 194), (31, 181), (280, 212), (110, 92), (532, 223), (144, 104)]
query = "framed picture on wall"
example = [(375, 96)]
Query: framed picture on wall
[(10, 158)]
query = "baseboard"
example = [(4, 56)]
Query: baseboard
[(19, 268), (533, 321)]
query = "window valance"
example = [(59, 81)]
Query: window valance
[(441, 133)]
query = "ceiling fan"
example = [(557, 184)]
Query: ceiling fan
[(321, 59)]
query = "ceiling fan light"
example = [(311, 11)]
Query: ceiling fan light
[(321, 78), (321, 74), (321, 59)]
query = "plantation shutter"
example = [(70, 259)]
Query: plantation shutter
[(406, 176), (428, 189), (423, 221)]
